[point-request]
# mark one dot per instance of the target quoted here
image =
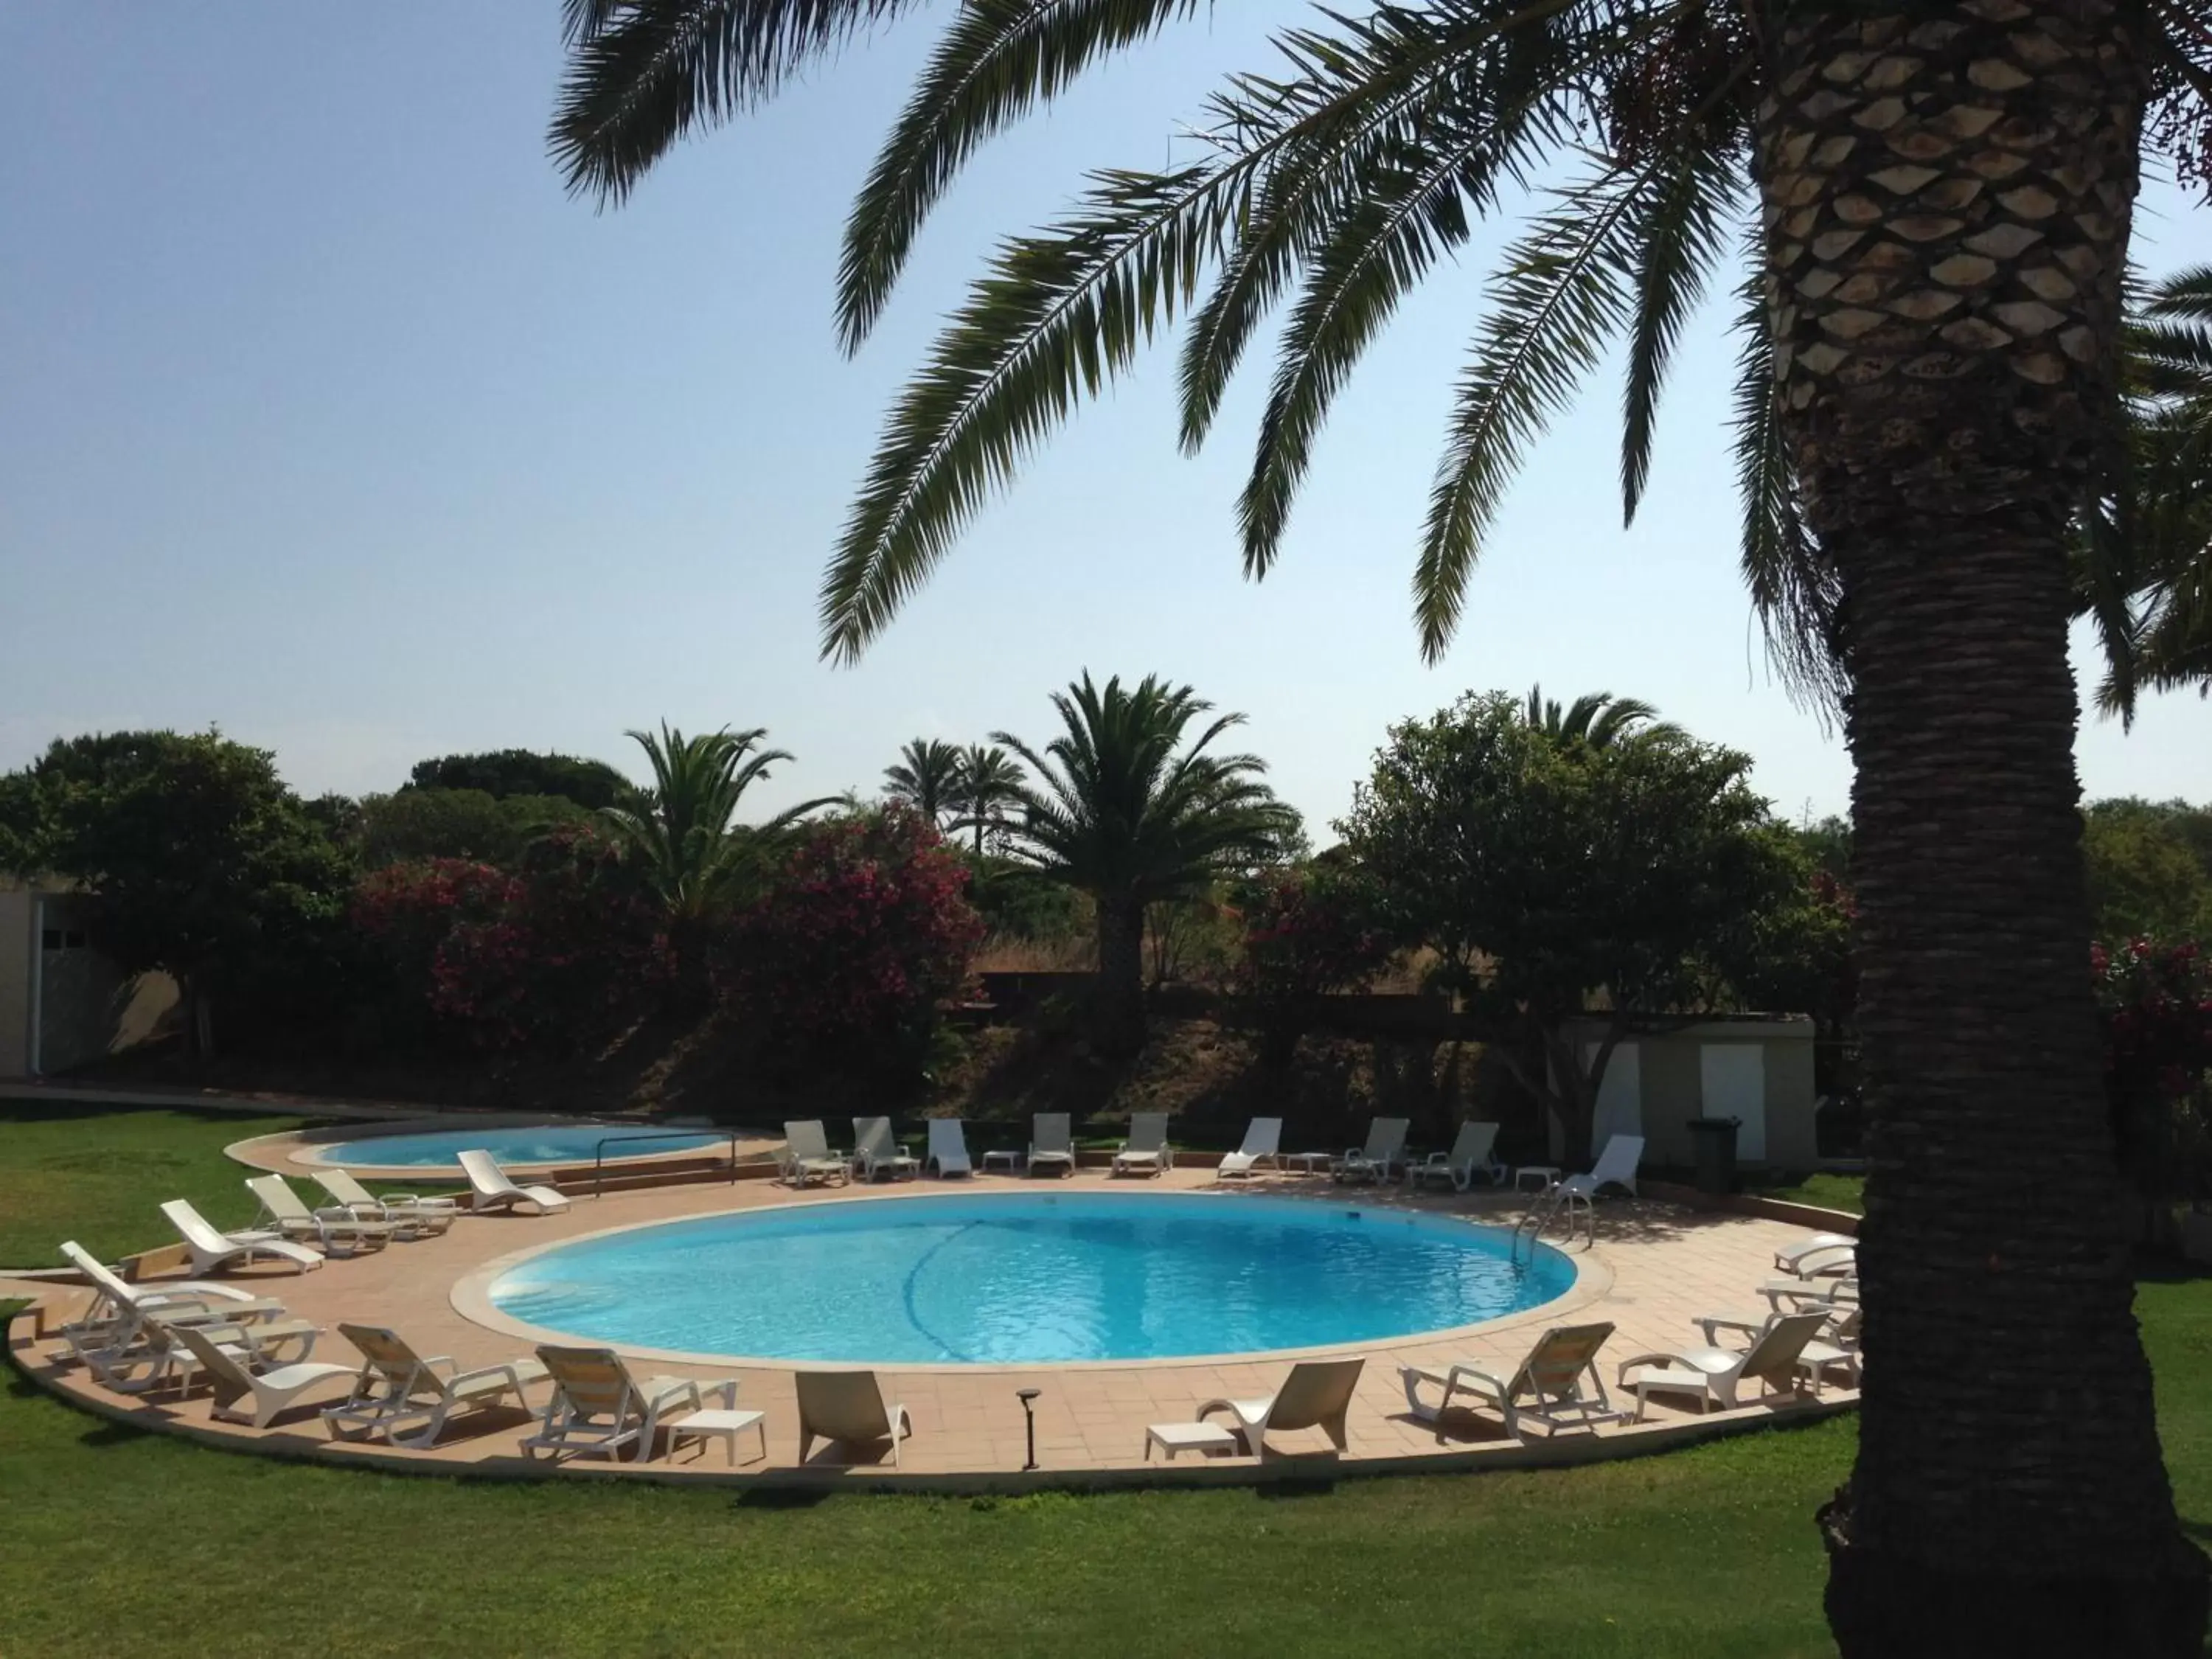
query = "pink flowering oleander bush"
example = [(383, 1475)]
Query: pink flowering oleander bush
[(1308, 932), (2154, 1005), (859, 941), (561, 953)]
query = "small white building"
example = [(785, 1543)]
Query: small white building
[(1756, 1068), (61, 1002)]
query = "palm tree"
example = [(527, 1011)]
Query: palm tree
[(695, 857), (1927, 207), (990, 779), (926, 778), (1129, 812), (2146, 571), (1599, 719)]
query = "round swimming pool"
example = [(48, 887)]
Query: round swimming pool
[(543, 1143), (1027, 1278)]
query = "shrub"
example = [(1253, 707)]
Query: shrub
[(1310, 931), (2155, 1005), (860, 938)]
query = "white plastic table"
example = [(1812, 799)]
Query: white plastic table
[(1546, 1174), (1315, 1162), (726, 1426), (1201, 1437), (1007, 1155)]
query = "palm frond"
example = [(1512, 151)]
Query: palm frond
[(1560, 297), (997, 61)]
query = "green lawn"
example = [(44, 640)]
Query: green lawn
[(99, 1174), (1829, 1191), (117, 1542)]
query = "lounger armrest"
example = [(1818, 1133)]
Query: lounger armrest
[(1708, 1323), (683, 1393), (1620, 1375), (441, 1362), (1490, 1381)]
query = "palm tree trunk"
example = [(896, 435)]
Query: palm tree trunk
[(1947, 191), (1121, 974)]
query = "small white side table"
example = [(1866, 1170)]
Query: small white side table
[(1315, 1162), (1007, 1155), (726, 1426), (1546, 1174), (1201, 1437)]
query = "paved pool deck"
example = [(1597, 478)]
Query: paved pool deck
[(1653, 1268)]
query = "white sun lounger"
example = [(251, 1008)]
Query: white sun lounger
[(875, 1150), (1316, 1394), (1263, 1140), (1715, 1375), (948, 1148), (113, 1340), (1147, 1149), (806, 1155), (1380, 1157), (244, 1396), (119, 1304), (1792, 1259), (210, 1248), (1470, 1156), (410, 1214), (847, 1408), (493, 1188), (1616, 1166), (1051, 1142), (598, 1408), (1551, 1377), (1836, 1348), (407, 1398), (337, 1230)]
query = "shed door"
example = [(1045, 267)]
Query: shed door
[(1734, 1075), (1619, 1108)]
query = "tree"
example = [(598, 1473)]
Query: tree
[(1599, 719), (926, 778), (1569, 884), (198, 860), (684, 837), (416, 823), (501, 773), (989, 782), (1129, 811), (2150, 869), (1933, 205)]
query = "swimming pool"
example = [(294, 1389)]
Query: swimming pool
[(1023, 1278), (543, 1143)]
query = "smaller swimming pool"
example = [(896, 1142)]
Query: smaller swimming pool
[(543, 1143)]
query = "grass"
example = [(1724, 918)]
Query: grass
[(116, 1541), (98, 1174), (1827, 1191)]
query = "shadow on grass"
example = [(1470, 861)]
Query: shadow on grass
[(779, 1497)]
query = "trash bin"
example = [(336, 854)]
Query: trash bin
[(1714, 1140)]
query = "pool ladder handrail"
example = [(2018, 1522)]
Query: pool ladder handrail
[(1536, 1220), (599, 1152)]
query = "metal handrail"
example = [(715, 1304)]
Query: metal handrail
[(599, 1152)]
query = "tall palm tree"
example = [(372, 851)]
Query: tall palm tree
[(1598, 718), (927, 777), (695, 856), (1129, 811), (990, 780), (1926, 204)]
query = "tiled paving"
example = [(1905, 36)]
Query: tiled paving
[(1653, 1267)]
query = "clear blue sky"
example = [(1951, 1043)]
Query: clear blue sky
[(328, 418)]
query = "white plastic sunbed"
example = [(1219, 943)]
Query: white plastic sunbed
[(337, 1230), (211, 1247), (1470, 1156), (598, 1408), (1616, 1166), (409, 1213), (1052, 1144), (244, 1396), (1146, 1149), (1715, 1375), (112, 1339), (806, 1155), (876, 1150), (493, 1188), (948, 1148), (847, 1408), (407, 1398), (1836, 1348), (1380, 1157), (1316, 1394), (1551, 1376), (1263, 1140)]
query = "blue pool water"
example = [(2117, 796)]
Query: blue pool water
[(1029, 1278), (547, 1143)]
